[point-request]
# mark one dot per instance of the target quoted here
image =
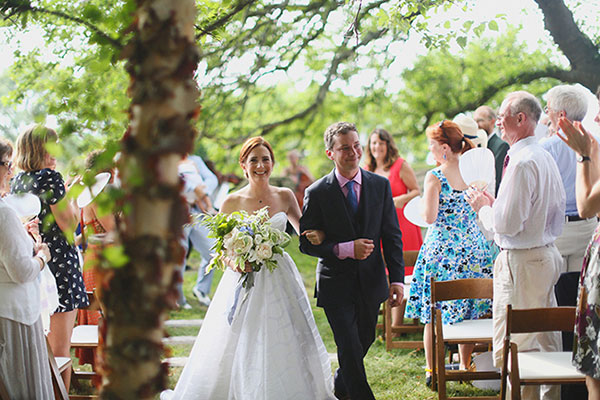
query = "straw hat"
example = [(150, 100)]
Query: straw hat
[(469, 128)]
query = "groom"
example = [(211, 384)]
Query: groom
[(354, 209)]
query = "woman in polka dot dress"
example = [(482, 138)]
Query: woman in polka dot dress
[(39, 177)]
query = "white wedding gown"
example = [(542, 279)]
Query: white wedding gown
[(272, 349)]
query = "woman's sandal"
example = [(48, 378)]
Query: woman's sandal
[(428, 372)]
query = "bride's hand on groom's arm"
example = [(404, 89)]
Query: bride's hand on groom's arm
[(314, 236)]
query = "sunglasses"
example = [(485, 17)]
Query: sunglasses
[(7, 164)]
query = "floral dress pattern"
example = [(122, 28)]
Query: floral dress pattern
[(49, 186), (587, 320), (454, 248)]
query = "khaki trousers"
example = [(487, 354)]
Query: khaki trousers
[(525, 278), (573, 242)]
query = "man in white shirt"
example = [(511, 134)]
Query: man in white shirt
[(526, 218), (569, 102)]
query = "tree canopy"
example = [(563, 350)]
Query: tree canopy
[(278, 68)]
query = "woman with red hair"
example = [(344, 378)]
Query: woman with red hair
[(454, 247)]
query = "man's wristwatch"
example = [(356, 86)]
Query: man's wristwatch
[(581, 158)]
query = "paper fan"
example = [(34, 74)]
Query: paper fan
[(26, 205), (412, 212), (477, 167), (89, 193)]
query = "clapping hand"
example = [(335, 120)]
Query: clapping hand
[(33, 228), (478, 198), (577, 138), (314, 236)]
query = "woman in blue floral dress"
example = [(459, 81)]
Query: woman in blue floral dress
[(454, 247), (586, 346)]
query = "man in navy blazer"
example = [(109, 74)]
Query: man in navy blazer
[(354, 210)]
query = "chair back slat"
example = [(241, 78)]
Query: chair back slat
[(410, 257), (541, 319), (472, 288)]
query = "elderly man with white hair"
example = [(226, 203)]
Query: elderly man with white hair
[(526, 218), (569, 102)]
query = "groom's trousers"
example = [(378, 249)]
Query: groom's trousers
[(353, 327)]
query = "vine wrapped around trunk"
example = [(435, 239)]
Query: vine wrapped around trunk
[(161, 60)]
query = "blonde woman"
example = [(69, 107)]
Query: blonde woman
[(39, 177)]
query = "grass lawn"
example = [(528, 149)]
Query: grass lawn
[(393, 375)]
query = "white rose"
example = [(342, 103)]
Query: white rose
[(228, 238), (241, 243), (264, 251)]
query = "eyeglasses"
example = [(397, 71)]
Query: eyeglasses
[(547, 109), (7, 164), (441, 125)]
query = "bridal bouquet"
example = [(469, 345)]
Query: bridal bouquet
[(245, 238)]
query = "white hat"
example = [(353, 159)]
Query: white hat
[(470, 130)]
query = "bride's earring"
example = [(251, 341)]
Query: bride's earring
[(444, 156)]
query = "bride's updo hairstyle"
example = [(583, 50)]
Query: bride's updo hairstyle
[(253, 143), (447, 132)]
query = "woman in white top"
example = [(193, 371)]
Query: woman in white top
[(24, 367)]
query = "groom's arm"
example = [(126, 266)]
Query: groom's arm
[(312, 218)]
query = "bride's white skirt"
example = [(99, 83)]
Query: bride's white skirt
[(271, 350)]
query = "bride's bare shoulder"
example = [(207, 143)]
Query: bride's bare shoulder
[(233, 202)]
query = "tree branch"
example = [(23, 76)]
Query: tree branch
[(223, 19), (13, 7), (522, 78), (583, 55)]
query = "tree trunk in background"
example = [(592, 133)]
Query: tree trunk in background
[(161, 59)]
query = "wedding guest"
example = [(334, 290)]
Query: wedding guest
[(587, 322), (299, 175), (525, 218), (454, 246), (262, 341), (57, 217), (354, 210), (382, 158), (24, 366), (199, 184), (568, 101)]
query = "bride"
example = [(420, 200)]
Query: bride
[(272, 348)]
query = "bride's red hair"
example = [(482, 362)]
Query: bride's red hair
[(252, 143)]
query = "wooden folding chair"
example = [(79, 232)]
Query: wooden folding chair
[(57, 366), (537, 367), (465, 332), (391, 331), (85, 337)]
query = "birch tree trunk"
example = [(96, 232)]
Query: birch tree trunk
[(161, 60)]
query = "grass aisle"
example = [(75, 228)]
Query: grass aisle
[(394, 375)]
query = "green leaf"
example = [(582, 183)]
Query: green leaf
[(115, 256), (493, 25), (462, 41)]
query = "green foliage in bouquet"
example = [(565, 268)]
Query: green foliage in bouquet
[(245, 238)]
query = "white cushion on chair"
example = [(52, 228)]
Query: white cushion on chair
[(544, 365), (85, 335), (469, 329)]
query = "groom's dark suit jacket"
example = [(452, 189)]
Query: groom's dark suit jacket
[(326, 208)]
